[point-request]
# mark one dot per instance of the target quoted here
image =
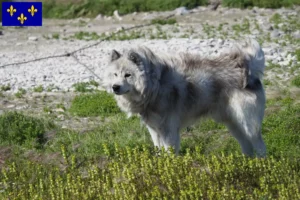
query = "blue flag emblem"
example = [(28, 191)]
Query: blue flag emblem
[(22, 14)]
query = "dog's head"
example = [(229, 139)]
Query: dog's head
[(131, 73)]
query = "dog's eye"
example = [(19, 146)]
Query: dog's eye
[(115, 74), (127, 75)]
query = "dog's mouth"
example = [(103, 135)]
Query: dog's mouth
[(121, 93)]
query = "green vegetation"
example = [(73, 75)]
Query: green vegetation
[(86, 36), (276, 19), (260, 3), (242, 28), (85, 86), (273, 66), (163, 21), (137, 174), (117, 160), (267, 82), (20, 93), (5, 87), (38, 89), (122, 35), (91, 8), (296, 81), (18, 129), (55, 36), (297, 52), (51, 87), (95, 104)]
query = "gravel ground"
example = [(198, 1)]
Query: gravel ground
[(21, 44)]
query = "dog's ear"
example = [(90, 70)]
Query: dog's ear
[(115, 55), (134, 57)]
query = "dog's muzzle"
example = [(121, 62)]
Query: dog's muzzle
[(116, 89)]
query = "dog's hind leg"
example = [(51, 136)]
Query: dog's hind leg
[(239, 134), (259, 145)]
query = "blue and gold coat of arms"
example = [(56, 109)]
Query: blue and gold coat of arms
[(22, 14)]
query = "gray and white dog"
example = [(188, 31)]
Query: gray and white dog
[(171, 92)]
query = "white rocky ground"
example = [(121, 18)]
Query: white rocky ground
[(200, 30)]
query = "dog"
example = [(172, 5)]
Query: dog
[(170, 92)]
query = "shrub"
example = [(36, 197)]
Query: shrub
[(91, 8), (96, 104), (259, 3), (137, 174), (20, 93), (38, 89), (16, 128), (296, 81), (297, 52), (163, 21), (281, 130), (5, 87), (119, 130)]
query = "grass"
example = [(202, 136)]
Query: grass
[(82, 35), (16, 128), (55, 36), (122, 35), (297, 53), (164, 21), (5, 87), (296, 81), (259, 3), (39, 89), (95, 104), (136, 174), (116, 159), (20, 93), (267, 82), (85, 86), (91, 8), (51, 87)]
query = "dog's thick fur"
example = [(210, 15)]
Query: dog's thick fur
[(170, 92)]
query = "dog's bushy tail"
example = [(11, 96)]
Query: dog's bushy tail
[(256, 58)]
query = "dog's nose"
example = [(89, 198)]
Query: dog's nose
[(116, 88)]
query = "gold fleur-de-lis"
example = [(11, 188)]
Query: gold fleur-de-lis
[(11, 10), (22, 18), (32, 10)]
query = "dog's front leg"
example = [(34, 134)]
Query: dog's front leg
[(155, 136), (166, 135), (171, 138)]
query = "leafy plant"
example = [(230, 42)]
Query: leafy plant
[(96, 104), (163, 21), (133, 173), (55, 36), (91, 8), (85, 86), (16, 128), (5, 87), (38, 89), (297, 53), (296, 81), (259, 3), (20, 93), (82, 35)]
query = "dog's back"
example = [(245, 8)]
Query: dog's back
[(227, 88)]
